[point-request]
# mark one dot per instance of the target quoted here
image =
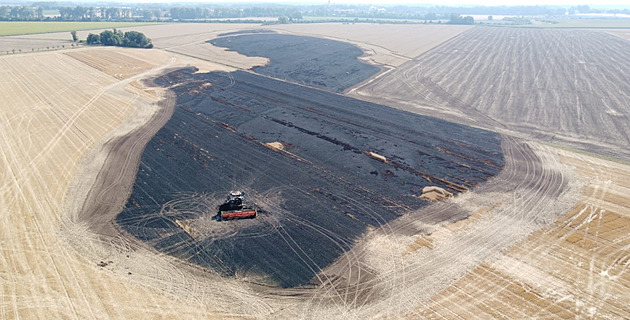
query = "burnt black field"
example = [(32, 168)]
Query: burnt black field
[(316, 62), (317, 196)]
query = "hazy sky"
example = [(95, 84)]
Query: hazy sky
[(618, 3)]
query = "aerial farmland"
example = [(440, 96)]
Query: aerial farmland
[(398, 171)]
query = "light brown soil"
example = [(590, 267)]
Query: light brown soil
[(29, 44), (576, 268), (56, 111), (376, 156), (275, 146), (115, 62), (547, 238), (191, 40), (387, 44), (434, 194), (561, 86), (623, 33), (390, 273), (187, 39)]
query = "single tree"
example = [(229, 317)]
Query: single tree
[(74, 36)]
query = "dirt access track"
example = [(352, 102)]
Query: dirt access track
[(53, 266)]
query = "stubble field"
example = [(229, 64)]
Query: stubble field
[(575, 268), (387, 45), (560, 86), (565, 87), (548, 237), (56, 111)]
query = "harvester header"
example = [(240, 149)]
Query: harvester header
[(234, 207)]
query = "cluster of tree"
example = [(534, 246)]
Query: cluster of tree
[(518, 20), (424, 12), (132, 39), (200, 13), (183, 13), (154, 11), (457, 19), (21, 13), (80, 13)]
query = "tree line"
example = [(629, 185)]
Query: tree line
[(133, 39), (196, 13), (21, 13), (457, 19), (165, 12)]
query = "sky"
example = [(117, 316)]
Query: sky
[(595, 4)]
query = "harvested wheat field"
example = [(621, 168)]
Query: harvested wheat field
[(56, 110), (388, 45), (560, 86), (575, 268), (113, 162), (623, 33)]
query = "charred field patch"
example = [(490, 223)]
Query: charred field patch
[(316, 62), (320, 191)]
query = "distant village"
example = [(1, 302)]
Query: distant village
[(51, 11)]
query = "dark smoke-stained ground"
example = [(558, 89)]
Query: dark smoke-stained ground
[(316, 62), (318, 195)]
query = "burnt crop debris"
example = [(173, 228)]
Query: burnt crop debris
[(321, 167), (316, 62)]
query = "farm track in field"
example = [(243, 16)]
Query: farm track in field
[(548, 237), (387, 272), (49, 119), (577, 267), (560, 86)]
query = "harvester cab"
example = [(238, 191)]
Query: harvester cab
[(234, 208)]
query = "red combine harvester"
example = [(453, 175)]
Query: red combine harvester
[(233, 208)]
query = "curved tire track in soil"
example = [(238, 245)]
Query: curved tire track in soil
[(531, 186), (113, 183), (333, 189), (558, 86), (357, 288)]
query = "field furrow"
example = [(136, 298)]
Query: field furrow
[(564, 86)]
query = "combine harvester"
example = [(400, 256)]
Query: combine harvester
[(233, 208)]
